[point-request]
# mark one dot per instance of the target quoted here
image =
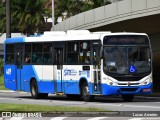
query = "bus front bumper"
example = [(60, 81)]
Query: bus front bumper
[(122, 90)]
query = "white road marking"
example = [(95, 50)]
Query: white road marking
[(97, 118), (145, 118), (123, 105), (16, 118), (58, 118)]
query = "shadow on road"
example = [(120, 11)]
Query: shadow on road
[(104, 99)]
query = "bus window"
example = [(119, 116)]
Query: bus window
[(72, 53), (10, 54), (37, 53), (27, 58), (47, 53), (84, 52)]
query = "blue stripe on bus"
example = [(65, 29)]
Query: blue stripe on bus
[(68, 86), (15, 40)]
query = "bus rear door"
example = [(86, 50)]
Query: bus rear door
[(19, 61), (58, 86)]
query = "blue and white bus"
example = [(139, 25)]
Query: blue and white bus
[(79, 64)]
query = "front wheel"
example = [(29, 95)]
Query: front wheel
[(127, 98), (85, 93)]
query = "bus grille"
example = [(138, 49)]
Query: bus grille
[(129, 89), (128, 78)]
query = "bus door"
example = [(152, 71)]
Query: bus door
[(58, 69), (96, 69), (18, 56)]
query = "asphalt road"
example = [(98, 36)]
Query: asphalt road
[(142, 108), (115, 103)]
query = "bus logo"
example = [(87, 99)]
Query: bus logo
[(8, 71)]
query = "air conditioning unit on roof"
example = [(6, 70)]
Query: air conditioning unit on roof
[(54, 33), (78, 32)]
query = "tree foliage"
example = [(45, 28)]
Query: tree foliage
[(27, 16), (73, 7)]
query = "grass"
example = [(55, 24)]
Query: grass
[(44, 108)]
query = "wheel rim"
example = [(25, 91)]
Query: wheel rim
[(85, 92), (33, 90)]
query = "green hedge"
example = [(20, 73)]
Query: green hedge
[(1, 66)]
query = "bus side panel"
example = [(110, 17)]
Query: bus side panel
[(44, 77), (10, 80), (47, 82), (72, 74), (27, 74), (71, 87)]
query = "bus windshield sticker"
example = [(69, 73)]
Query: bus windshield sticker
[(132, 69)]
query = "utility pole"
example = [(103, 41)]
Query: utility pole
[(52, 29), (8, 19)]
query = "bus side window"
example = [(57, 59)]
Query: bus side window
[(10, 54), (37, 53), (84, 52), (47, 53), (27, 57), (72, 53)]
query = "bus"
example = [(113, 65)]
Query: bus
[(79, 64)]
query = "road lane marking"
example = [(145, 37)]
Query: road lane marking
[(16, 118), (145, 118), (97, 118), (58, 118), (123, 105)]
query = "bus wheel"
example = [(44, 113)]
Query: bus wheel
[(34, 90), (127, 98), (85, 93)]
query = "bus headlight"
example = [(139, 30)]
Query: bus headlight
[(111, 82), (147, 80)]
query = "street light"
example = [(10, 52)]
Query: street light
[(52, 29), (8, 19), (64, 15)]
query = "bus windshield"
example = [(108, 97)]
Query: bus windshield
[(127, 59)]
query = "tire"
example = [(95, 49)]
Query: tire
[(127, 98), (34, 91), (85, 93)]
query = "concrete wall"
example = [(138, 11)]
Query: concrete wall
[(115, 12)]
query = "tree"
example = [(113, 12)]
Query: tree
[(73, 7), (27, 16), (31, 15)]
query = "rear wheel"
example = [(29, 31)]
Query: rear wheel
[(34, 91), (127, 98), (85, 93)]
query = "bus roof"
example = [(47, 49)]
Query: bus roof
[(71, 35)]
